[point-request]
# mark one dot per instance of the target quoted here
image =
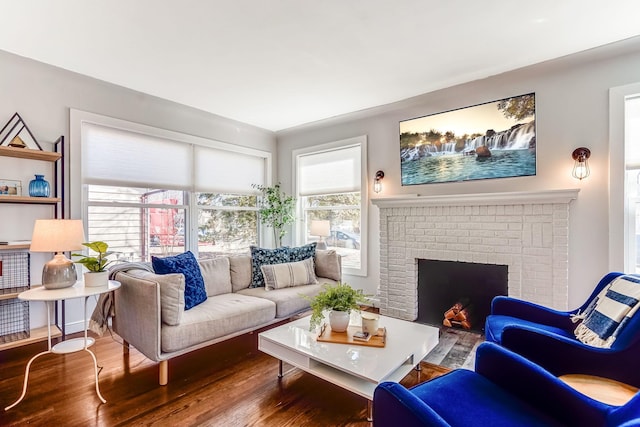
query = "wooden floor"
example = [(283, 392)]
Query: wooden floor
[(228, 384)]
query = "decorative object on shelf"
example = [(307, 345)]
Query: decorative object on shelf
[(58, 235), (39, 187), (322, 229), (340, 299), (581, 166), (276, 210), (17, 142), (97, 265), (10, 187), (377, 184), (16, 134)]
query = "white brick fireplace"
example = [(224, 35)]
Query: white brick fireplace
[(527, 231)]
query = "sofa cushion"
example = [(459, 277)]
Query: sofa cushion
[(240, 266), (302, 252), (285, 275), (171, 293), (217, 317), (185, 263), (328, 264), (288, 300), (216, 275), (262, 256)]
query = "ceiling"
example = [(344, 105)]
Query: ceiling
[(277, 64)]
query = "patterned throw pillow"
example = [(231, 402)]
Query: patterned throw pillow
[(302, 252), (185, 263), (262, 256), (278, 276)]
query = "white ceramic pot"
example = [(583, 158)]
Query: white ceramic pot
[(94, 279), (339, 320)]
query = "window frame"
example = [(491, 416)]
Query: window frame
[(299, 229), (78, 206)]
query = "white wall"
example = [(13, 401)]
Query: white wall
[(43, 95), (571, 111)]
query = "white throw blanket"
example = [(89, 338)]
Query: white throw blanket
[(609, 312)]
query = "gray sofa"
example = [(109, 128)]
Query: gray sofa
[(150, 315)]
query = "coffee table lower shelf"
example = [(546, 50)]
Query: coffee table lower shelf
[(354, 384)]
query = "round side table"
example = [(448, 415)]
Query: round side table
[(50, 296)]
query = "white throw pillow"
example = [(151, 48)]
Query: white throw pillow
[(278, 276)]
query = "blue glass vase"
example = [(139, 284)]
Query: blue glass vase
[(39, 187)]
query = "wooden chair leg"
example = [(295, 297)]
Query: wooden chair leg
[(125, 347), (164, 372)]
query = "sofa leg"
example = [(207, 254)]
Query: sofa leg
[(125, 347), (164, 372)]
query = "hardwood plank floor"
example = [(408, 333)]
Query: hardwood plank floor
[(227, 384)]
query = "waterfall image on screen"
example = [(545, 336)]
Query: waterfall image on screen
[(492, 140)]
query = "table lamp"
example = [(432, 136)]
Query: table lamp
[(320, 228), (58, 235)]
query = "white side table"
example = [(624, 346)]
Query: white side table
[(39, 293)]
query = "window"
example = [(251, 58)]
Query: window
[(329, 182), (624, 178), (137, 222), (227, 223), (632, 180), (148, 191)]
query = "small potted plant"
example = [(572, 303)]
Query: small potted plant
[(97, 265), (340, 299)]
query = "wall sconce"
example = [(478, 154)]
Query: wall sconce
[(377, 185), (581, 166)]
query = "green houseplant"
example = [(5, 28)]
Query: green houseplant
[(97, 265), (339, 298), (276, 210)]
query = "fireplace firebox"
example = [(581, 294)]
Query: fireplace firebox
[(458, 294)]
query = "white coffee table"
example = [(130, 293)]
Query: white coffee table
[(356, 368)]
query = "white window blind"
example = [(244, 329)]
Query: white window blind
[(330, 172), (117, 157), (632, 133), (222, 171)]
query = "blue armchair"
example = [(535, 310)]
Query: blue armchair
[(507, 312), (505, 390)]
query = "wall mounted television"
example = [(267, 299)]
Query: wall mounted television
[(492, 140)]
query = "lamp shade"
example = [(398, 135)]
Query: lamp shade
[(57, 235), (320, 228)]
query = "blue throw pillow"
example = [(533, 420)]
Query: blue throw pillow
[(302, 252), (262, 256), (186, 263)]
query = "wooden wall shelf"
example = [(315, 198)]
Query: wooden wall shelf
[(36, 335), (13, 339), (27, 153), (30, 200)]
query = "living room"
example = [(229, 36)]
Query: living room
[(575, 107)]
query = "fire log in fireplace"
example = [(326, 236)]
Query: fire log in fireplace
[(459, 315), (441, 284)]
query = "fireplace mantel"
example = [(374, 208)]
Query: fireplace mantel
[(506, 198)]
